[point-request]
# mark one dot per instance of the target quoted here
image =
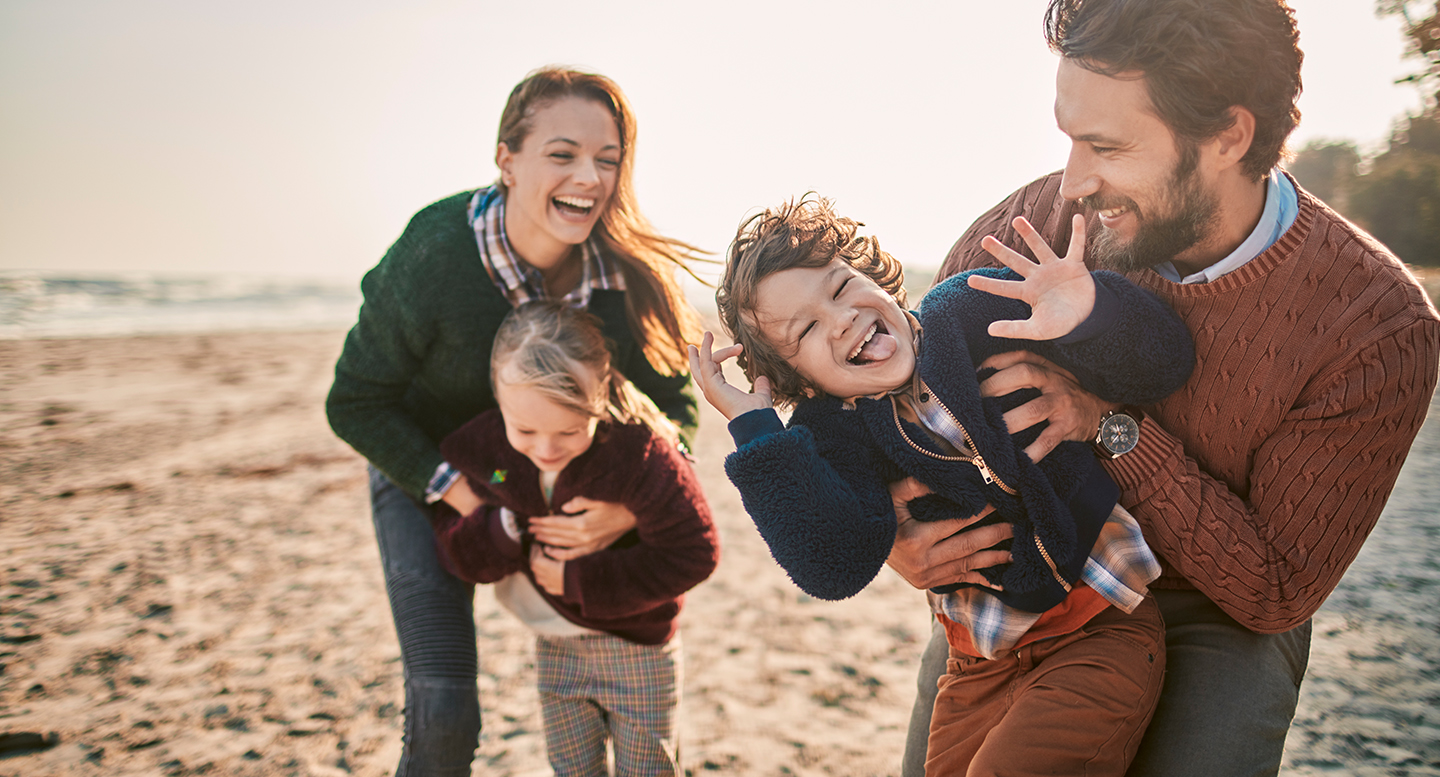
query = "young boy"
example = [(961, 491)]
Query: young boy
[(1056, 659)]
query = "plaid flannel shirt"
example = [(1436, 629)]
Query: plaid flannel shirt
[(521, 283), (1120, 566)]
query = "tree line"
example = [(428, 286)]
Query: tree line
[(1395, 194)]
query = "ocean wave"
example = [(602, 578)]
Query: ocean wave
[(39, 304)]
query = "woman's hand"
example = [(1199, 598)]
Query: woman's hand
[(942, 552), (461, 497), (1060, 292), (590, 526), (705, 366), (549, 572), (1073, 412)]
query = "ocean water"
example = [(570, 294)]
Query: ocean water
[(39, 304)]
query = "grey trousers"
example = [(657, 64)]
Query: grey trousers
[(435, 621), (1227, 702)]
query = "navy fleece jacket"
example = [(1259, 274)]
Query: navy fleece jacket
[(817, 489)]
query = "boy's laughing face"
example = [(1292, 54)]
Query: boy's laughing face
[(837, 328)]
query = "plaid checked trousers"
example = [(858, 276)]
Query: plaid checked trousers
[(599, 687)]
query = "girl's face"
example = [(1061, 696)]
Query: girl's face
[(550, 435), (560, 180)]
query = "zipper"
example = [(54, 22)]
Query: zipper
[(1053, 569), (986, 473), (974, 458)]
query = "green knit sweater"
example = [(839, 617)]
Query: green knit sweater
[(417, 364)]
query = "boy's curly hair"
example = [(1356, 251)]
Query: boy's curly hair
[(807, 233)]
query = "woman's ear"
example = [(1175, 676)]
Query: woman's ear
[(505, 160)]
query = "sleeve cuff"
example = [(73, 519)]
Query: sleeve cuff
[(574, 593), (1136, 471), (1103, 316), (751, 426), (500, 523), (440, 482)]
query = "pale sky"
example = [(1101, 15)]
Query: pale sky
[(297, 138)]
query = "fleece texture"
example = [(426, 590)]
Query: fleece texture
[(817, 490), (633, 589)]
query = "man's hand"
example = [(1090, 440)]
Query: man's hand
[(729, 400), (549, 572), (1073, 412), (940, 553), (588, 527), (1060, 292)]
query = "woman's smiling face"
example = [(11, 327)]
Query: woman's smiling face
[(837, 328), (561, 178)]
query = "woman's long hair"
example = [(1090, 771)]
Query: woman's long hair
[(654, 303), (560, 352)]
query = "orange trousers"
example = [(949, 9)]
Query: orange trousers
[(1076, 704)]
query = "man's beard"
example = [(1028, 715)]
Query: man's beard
[(1157, 239)]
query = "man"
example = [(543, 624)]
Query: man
[(1316, 350)]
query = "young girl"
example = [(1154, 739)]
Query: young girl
[(569, 425)]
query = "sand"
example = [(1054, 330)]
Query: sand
[(190, 585)]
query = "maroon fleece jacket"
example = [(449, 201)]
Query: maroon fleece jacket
[(634, 588)]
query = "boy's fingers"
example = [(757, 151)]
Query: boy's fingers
[(1077, 239), (1012, 330), (728, 352), (762, 387), (1011, 289), (1032, 238), (1007, 256)]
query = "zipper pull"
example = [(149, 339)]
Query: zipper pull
[(984, 468)]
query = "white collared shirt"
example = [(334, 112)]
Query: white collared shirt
[(1282, 205)]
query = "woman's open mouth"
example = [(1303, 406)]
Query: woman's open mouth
[(578, 207)]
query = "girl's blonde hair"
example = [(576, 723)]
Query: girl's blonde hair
[(561, 353), (655, 305)]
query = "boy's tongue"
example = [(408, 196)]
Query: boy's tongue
[(881, 346)]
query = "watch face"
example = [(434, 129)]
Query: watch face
[(1119, 434)]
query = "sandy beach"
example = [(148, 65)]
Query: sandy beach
[(190, 585)]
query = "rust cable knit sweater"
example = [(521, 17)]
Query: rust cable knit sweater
[(1258, 481)]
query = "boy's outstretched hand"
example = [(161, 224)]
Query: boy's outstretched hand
[(729, 400), (1060, 292)]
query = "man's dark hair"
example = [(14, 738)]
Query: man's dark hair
[(1199, 57)]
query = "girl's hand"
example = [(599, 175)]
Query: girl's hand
[(461, 496), (1060, 292), (590, 526), (549, 572), (729, 400)]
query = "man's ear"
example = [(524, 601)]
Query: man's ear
[(505, 160), (1233, 142)]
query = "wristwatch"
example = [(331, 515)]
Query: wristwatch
[(1119, 432)]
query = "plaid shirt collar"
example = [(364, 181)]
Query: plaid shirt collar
[(516, 279)]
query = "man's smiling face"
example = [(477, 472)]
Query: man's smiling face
[(1127, 166)]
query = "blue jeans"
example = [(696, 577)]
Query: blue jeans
[(435, 621), (1227, 702)]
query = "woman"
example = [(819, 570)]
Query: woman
[(560, 223)]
